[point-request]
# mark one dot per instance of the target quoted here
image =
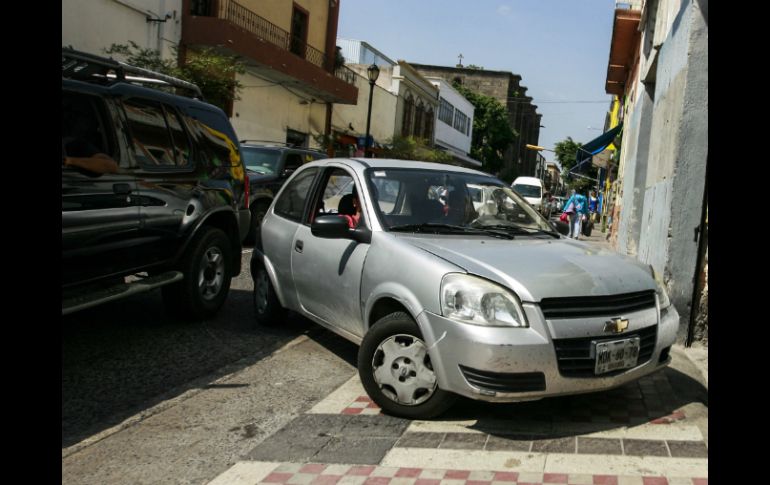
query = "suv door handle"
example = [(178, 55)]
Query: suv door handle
[(121, 189), (298, 246)]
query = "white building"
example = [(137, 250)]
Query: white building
[(454, 126), (94, 25)]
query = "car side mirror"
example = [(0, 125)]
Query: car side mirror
[(336, 227), (288, 171)]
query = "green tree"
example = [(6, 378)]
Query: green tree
[(492, 133), (214, 73), (566, 154), (412, 148)]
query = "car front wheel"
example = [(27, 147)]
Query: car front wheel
[(267, 307), (396, 370)]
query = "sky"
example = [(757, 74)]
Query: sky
[(560, 48)]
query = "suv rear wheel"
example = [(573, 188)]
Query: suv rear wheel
[(207, 274)]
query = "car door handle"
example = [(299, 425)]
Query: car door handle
[(121, 189), (298, 245)]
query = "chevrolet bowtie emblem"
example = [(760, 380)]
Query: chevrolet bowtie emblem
[(616, 325)]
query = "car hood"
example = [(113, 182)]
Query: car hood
[(255, 177), (537, 268)]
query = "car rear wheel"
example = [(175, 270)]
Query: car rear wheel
[(396, 370), (267, 308), (207, 274)]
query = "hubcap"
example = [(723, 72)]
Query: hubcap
[(212, 273), (402, 370)]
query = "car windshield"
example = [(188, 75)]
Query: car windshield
[(261, 160), (527, 190), (418, 200)]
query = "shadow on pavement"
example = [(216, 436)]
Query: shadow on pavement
[(123, 358)]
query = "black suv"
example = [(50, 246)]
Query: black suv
[(154, 192), (268, 167)]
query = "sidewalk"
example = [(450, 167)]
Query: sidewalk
[(697, 354)]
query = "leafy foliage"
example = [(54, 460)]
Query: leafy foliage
[(214, 73), (566, 153), (412, 148), (492, 133)]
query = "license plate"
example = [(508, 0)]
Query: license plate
[(616, 354)]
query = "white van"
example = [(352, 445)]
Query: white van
[(531, 188)]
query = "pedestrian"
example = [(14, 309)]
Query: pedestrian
[(593, 205), (576, 209)]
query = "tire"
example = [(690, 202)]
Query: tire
[(267, 308), (396, 372), (207, 269), (258, 212)]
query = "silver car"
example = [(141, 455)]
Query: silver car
[(453, 285)]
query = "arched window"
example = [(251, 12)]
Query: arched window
[(418, 120), (406, 123), (428, 132)]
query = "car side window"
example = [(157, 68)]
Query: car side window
[(84, 126), (291, 202), (293, 161), (151, 129)]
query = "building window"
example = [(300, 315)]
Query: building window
[(428, 133), (418, 120), (296, 138), (446, 111), (299, 28), (406, 123), (461, 121)]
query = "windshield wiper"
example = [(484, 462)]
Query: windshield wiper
[(435, 228), (521, 230), (255, 171)]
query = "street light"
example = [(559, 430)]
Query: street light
[(373, 72)]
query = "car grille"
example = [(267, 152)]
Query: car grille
[(574, 354), (500, 382), (597, 306)]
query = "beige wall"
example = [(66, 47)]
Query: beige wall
[(93, 25), (265, 111), (383, 109), (278, 12)]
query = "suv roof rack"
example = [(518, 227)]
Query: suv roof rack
[(89, 67)]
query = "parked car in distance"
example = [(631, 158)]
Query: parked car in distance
[(267, 167), (453, 285), (531, 189), (153, 190)]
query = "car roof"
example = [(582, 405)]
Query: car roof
[(385, 163), (528, 181)]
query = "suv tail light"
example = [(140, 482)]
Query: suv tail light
[(246, 192)]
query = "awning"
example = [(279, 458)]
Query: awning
[(595, 146)]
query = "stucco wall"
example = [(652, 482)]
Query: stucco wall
[(383, 107), (676, 174), (93, 25), (266, 110)]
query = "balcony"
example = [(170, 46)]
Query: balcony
[(624, 50), (267, 50)]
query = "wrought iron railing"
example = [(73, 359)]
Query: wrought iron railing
[(246, 19), (346, 74)]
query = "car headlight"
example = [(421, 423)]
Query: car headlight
[(469, 299), (660, 290)]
